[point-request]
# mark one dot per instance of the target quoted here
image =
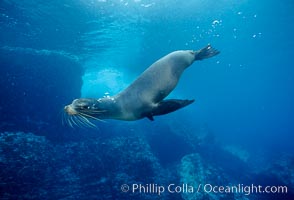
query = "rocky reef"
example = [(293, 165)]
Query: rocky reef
[(33, 167)]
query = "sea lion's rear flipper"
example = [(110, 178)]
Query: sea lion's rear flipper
[(168, 106), (205, 52)]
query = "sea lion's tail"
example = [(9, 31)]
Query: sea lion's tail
[(206, 52)]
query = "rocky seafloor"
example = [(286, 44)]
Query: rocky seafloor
[(33, 167)]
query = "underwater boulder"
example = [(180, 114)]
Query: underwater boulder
[(192, 173), (33, 167), (238, 152), (196, 172)]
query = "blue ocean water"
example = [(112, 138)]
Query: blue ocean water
[(239, 130)]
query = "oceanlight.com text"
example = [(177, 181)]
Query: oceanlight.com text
[(158, 189), (245, 189)]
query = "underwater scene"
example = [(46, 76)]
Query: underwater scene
[(211, 118)]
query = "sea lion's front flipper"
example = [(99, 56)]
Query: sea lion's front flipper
[(168, 106)]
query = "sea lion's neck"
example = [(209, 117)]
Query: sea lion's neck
[(109, 108)]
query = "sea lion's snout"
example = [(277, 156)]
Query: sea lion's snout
[(82, 106), (81, 110), (77, 114), (70, 110)]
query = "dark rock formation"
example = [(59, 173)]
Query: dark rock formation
[(35, 85)]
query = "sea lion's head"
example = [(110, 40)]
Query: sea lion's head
[(80, 106), (81, 110)]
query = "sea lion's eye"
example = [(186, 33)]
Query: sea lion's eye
[(85, 107)]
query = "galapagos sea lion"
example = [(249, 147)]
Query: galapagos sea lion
[(145, 96)]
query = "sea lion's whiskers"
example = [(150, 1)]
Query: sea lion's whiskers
[(63, 117), (78, 121), (81, 122), (69, 121), (66, 120), (94, 111), (74, 120), (86, 122), (90, 116)]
